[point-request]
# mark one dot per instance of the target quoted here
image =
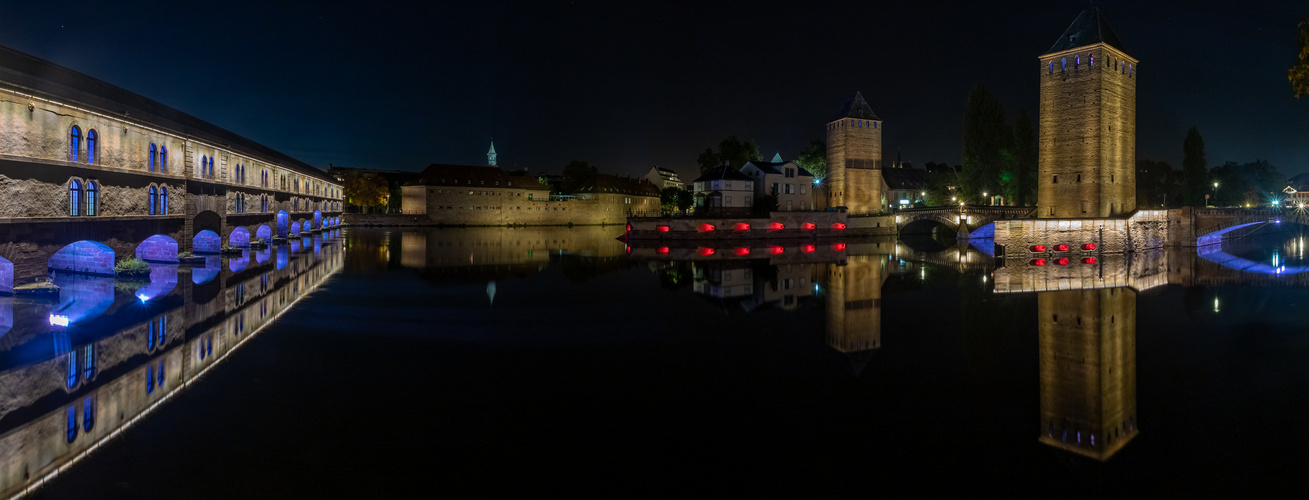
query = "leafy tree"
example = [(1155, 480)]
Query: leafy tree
[(1253, 183), (577, 171), (1194, 169), (395, 201), (986, 138), (362, 190), (1025, 160), (1299, 74), (814, 159), (765, 204), (1152, 183), (685, 199), (731, 150)]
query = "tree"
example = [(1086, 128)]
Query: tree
[(1255, 183), (1025, 160), (1299, 74), (732, 151), (1194, 169), (814, 159), (765, 204), (986, 137), (685, 199), (1152, 183), (362, 190), (578, 171)]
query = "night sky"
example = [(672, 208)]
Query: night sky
[(402, 85)]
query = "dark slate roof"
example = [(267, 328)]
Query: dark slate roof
[(613, 184), (1089, 28), (856, 107), (723, 173), (769, 167), (474, 177), (904, 178), (47, 80), (1299, 182)]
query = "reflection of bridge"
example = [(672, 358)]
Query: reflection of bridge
[(974, 218)]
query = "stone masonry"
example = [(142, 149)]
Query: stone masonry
[(854, 158)]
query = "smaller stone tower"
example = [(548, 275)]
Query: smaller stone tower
[(490, 155), (854, 158)]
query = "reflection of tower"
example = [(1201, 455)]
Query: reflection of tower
[(854, 158), (854, 306), (1088, 370)]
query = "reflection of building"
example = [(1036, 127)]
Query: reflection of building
[(725, 280), (854, 305), (1088, 370)]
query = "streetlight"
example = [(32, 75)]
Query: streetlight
[(984, 194), (1215, 203)]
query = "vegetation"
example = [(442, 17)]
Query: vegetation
[(579, 171), (1250, 184), (185, 255), (674, 199), (765, 204), (362, 190), (1299, 74), (1194, 169), (732, 151), (1158, 184), (132, 268), (997, 158), (814, 159)]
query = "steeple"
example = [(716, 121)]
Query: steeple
[(856, 107), (490, 155), (777, 158), (1089, 28)]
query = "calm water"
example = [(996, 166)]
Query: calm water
[(371, 363)]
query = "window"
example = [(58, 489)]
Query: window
[(92, 197), (163, 159), (204, 166), (91, 156), (1065, 64), (74, 197), (1052, 67), (802, 190), (1090, 60), (153, 198), (1056, 180), (88, 413), (790, 188), (74, 142), (154, 157), (163, 200)]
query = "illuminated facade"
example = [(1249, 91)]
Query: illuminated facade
[(854, 158)]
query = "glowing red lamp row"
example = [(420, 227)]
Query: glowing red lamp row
[(1062, 247), (1059, 261)]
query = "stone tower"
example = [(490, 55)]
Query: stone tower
[(490, 155), (1087, 345), (854, 158), (1087, 165)]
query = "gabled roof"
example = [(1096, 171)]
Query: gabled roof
[(855, 107), (770, 167), (1089, 28), (905, 178), (613, 184), (44, 79), (473, 177), (723, 172)]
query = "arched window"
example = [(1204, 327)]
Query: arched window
[(88, 362), (161, 373), (91, 156), (72, 423), (154, 156), (163, 159), (163, 200), (88, 413), (153, 198), (1065, 64), (204, 166), (72, 369), (1090, 60), (150, 337), (74, 197), (149, 379), (1077, 62), (296, 183), (74, 142), (1052, 67), (92, 197)]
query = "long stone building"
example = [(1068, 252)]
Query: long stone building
[(90, 173)]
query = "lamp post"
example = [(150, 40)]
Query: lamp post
[(1215, 203), (984, 198)]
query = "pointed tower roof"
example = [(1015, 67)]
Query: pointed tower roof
[(777, 158), (490, 154), (856, 107), (1089, 28)]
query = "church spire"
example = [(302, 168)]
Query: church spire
[(490, 155)]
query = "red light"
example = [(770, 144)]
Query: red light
[(1037, 262), (1037, 248), (705, 251), (1062, 247), (838, 225), (629, 228), (741, 226), (1063, 261), (807, 248), (663, 250), (629, 248), (662, 229), (740, 251), (1088, 246), (838, 247), (775, 250), (1088, 260), (775, 226), (707, 228), (808, 226)]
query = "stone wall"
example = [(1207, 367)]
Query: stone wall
[(1087, 138), (505, 207), (1145, 229), (859, 189)]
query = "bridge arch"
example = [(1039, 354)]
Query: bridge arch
[(264, 233), (318, 219), (83, 257), (6, 280), (209, 220), (240, 237), (158, 248), (283, 224), (295, 229), (206, 241)]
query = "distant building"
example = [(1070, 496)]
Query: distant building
[(664, 178), (455, 189), (1297, 190), (633, 196), (724, 191), (904, 186), (792, 185)]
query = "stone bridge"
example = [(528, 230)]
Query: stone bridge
[(968, 221), (1206, 226)]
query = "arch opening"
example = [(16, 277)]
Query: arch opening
[(83, 257), (264, 232), (283, 223), (206, 241), (158, 248), (240, 237)]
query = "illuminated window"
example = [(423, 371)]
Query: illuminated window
[(74, 197), (92, 197), (149, 379), (154, 156), (1065, 64), (153, 198), (163, 159), (88, 362), (91, 150), (88, 413), (163, 200), (72, 423), (1090, 60), (204, 166), (74, 142), (72, 370)]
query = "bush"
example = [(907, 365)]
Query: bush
[(185, 255), (132, 267)]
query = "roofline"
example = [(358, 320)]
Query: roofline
[(1082, 48)]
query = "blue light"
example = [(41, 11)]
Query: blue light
[(817, 181), (143, 298)]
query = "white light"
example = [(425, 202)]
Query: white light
[(143, 298), (59, 319), (1215, 304)]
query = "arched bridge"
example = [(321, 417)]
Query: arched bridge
[(975, 221), (1213, 225)]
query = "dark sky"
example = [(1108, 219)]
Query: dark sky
[(627, 85)]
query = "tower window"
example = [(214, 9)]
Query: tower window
[(1065, 64), (1079, 177), (1077, 62), (1056, 180), (1090, 60), (1052, 67)]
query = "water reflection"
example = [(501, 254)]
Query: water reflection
[(151, 340)]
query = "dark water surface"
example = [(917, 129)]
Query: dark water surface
[(485, 361)]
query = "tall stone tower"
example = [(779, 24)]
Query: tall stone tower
[(1087, 165), (854, 158), (1087, 342)]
